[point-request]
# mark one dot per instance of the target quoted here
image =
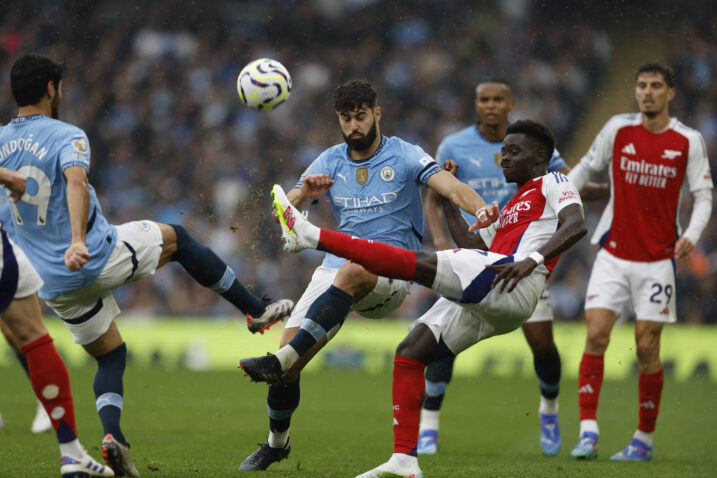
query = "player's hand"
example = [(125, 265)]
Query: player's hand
[(315, 185), (76, 256), (450, 166), (684, 248), (15, 183), (511, 272), (485, 216)]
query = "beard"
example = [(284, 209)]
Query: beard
[(55, 107), (364, 142)]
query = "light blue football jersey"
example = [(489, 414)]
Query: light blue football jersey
[(378, 198), (42, 148), (479, 165)]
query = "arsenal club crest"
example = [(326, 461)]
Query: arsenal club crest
[(362, 176)]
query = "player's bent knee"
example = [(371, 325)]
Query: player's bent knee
[(355, 280), (420, 344)]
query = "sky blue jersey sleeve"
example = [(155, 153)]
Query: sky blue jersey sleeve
[(75, 150), (556, 162), (420, 163)]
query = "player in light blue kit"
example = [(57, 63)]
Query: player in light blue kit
[(374, 185), (79, 255), (476, 150)]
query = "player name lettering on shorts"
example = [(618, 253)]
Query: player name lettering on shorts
[(22, 144)]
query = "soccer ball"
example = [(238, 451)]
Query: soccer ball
[(264, 84)]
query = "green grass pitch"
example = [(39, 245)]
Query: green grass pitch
[(182, 423)]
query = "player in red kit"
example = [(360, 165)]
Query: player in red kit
[(650, 157)]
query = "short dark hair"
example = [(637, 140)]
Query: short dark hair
[(493, 79), (536, 131), (353, 95), (667, 73), (29, 77)]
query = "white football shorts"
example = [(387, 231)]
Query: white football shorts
[(16, 273), (385, 298), (88, 312), (463, 281), (614, 282)]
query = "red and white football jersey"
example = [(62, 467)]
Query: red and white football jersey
[(648, 172), (530, 218)]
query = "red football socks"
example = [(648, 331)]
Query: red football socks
[(408, 387), (589, 382), (650, 392), (377, 257), (51, 383)]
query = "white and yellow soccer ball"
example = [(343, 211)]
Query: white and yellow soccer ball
[(264, 84)]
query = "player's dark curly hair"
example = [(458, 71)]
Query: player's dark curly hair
[(667, 73), (536, 131), (29, 77), (353, 95)]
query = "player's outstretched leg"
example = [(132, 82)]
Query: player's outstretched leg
[(212, 272), (296, 231), (438, 376), (281, 402), (408, 388)]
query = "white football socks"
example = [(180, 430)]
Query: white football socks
[(278, 439), (429, 420), (548, 406), (287, 357), (589, 426), (644, 437), (73, 449)]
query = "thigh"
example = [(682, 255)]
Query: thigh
[(652, 285), (86, 313), (321, 280), (457, 326), (608, 287), (543, 311), (461, 274), (136, 255)]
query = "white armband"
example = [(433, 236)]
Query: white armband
[(537, 257)]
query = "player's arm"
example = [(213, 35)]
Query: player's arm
[(463, 196), (312, 186), (458, 227), (572, 228), (432, 206), (78, 205), (14, 182)]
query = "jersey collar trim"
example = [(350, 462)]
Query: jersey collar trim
[(22, 119)]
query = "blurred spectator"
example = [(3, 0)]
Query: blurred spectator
[(154, 87)]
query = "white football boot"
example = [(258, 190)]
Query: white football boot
[(398, 466), (296, 231)]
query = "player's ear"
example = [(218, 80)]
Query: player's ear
[(50, 90), (377, 113)]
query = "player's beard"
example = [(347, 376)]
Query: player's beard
[(55, 107), (364, 142)]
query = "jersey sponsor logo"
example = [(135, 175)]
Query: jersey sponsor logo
[(567, 196), (586, 389), (510, 215), (671, 154), (647, 174), (629, 149), (367, 202), (387, 173), (362, 176)]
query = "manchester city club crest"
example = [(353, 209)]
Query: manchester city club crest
[(387, 173), (362, 176)]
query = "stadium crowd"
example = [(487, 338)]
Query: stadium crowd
[(154, 88)]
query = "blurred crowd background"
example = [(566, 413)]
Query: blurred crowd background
[(154, 86)]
